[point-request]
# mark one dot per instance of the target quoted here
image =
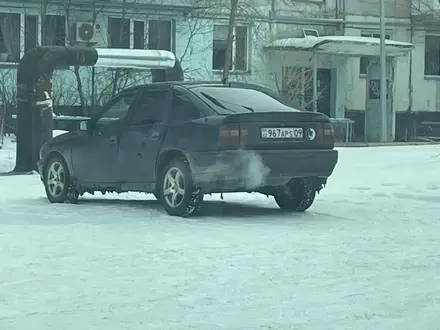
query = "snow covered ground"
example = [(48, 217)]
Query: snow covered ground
[(366, 255)]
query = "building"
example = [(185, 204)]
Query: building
[(196, 31)]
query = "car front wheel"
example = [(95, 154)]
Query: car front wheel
[(56, 180), (297, 196), (178, 194)]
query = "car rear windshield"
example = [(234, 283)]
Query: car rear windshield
[(239, 100)]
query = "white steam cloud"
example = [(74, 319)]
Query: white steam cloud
[(247, 167), (254, 169)]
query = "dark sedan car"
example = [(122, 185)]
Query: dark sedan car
[(181, 140)]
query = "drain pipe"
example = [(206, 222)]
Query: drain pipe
[(410, 85), (271, 16)]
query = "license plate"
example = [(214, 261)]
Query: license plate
[(281, 133)]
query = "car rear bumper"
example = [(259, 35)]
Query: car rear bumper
[(245, 170)]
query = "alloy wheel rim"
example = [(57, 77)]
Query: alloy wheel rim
[(56, 179), (173, 187)]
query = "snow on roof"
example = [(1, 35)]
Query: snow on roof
[(342, 45)]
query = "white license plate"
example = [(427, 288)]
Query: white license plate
[(281, 133)]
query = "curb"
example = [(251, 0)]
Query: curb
[(382, 144)]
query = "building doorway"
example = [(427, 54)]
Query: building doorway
[(297, 84)]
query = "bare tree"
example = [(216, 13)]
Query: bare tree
[(8, 87), (93, 86), (229, 40), (7, 101), (296, 83), (423, 7), (229, 15)]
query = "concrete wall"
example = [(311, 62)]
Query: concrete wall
[(426, 89), (192, 44), (195, 48), (356, 83), (393, 8)]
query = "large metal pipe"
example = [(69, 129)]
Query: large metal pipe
[(34, 75), (142, 59)]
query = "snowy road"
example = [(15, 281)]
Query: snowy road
[(366, 255)]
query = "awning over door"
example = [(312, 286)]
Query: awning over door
[(352, 46)]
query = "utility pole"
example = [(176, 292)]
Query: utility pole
[(383, 75)]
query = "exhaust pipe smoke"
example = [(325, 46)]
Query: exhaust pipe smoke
[(255, 171), (247, 168)]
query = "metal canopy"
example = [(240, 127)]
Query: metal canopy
[(351, 46)]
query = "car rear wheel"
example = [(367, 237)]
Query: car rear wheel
[(56, 180), (178, 194), (297, 196)]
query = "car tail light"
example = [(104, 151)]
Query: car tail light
[(233, 135), (326, 134)]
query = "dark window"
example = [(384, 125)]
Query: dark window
[(9, 37), (432, 55), (220, 34), (151, 108), (54, 30), (364, 60), (139, 35), (241, 45), (31, 34), (237, 100), (117, 109), (160, 35), (239, 59), (183, 109), (119, 32)]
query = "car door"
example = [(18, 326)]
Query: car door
[(95, 153), (141, 141)]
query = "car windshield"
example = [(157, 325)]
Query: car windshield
[(237, 100)]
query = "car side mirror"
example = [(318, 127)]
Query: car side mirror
[(84, 126)]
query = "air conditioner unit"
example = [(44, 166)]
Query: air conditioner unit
[(88, 32), (310, 33)]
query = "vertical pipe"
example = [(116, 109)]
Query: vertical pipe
[(315, 82), (383, 74)]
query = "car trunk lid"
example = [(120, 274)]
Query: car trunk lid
[(277, 130)]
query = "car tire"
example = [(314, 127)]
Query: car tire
[(296, 197), (56, 180), (178, 193)]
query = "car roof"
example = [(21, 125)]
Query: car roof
[(202, 83), (192, 84)]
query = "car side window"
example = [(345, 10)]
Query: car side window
[(183, 109), (151, 108), (117, 110)]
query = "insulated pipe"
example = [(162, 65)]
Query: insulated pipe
[(134, 58), (34, 84)]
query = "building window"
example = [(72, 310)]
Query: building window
[(364, 60), (9, 37), (124, 33), (30, 32), (432, 55), (239, 51), (139, 35), (160, 35), (53, 30), (119, 32)]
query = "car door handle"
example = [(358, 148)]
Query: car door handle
[(113, 139)]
